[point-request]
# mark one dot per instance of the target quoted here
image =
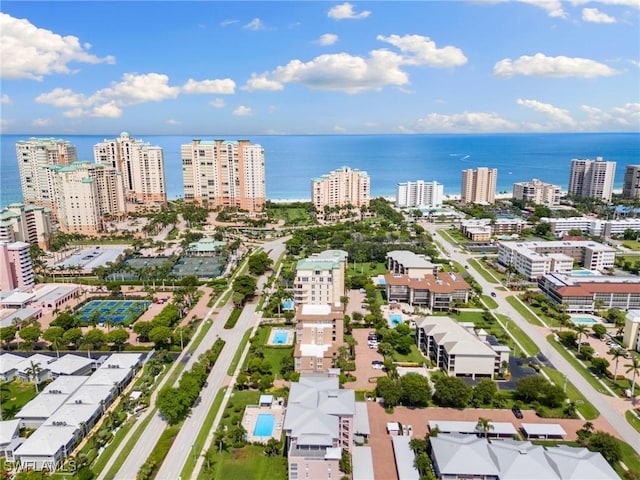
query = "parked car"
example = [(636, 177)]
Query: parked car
[(517, 412), (377, 364), (493, 294)]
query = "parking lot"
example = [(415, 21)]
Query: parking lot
[(365, 374)]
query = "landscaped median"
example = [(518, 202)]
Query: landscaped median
[(524, 311), (483, 271), (588, 411)]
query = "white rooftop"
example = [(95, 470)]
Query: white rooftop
[(9, 361), (8, 430), (308, 309), (69, 364), (404, 458), (46, 441), (543, 429), (362, 461), (446, 426), (66, 384)]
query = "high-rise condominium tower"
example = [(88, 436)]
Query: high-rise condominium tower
[(631, 186), (221, 173), (592, 178), (537, 192), (34, 155), (141, 165), (341, 187), (419, 194), (479, 185)]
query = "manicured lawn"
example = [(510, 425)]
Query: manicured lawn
[(528, 344), (489, 302), (522, 310), (248, 463), (367, 269), (291, 215), (15, 395), (588, 411), (273, 354), (482, 271), (578, 366), (237, 402), (238, 354), (631, 244), (414, 356), (633, 419)]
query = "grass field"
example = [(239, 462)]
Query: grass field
[(15, 395), (588, 411), (486, 274), (247, 463), (633, 419), (290, 215), (413, 356), (367, 269), (631, 244), (522, 310), (489, 302)]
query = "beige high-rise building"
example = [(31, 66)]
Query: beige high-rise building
[(537, 192), (592, 178), (27, 223), (221, 173), (34, 155), (631, 186), (320, 278), (85, 193), (479, 185), (141, 165), (341, 187)]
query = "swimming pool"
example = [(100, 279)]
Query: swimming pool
[(583, 320), (280, 338), (288, 304), (582, 273), (395, 320), (264, 425)]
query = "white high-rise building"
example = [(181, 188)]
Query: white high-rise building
[(537, 192), (221, 173), (85, 193), (340, 188), (479, 185), (34, 155), (419, 194), (592, 178), (27, 223), (141, 165)]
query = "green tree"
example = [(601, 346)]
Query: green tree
[(600, 365), (484, 392), (606, 444), (244, 285), (160, 336), (173, 404), (259, 263), (416, 391), (30, 334), (72, 336), (8, 334), (389, 390), (118, 337), (580, 330), (599, 330), (66, 321), (33, 372), (272, 448), (484, 425), (94, 338), (142, 329), (634, 367), (616, 353), (452, 392), (54, 335)]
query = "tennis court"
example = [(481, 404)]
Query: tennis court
[(123, 312)]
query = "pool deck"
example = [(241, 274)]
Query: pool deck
[(250, 417), (290, 337)]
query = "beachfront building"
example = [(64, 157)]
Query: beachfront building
[(592, 178), (579, 293), (484, 229), (537, 192), (631, 184), (222, 173), (457, 349), (419, 194), (27, 223), (319, 335), (438, 292), (405, 262), (34, 155), (320, 278), (16, 268), (141, 165), (592, 226), (340, 188), (467, 456), (479, 185), (318, 426), (631, 337), (85, 193), (534, 259)]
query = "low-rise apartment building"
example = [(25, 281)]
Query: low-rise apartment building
[(404, 262), (437, 292), (580, 293), (319, 335), (593, 226), (457, 349), (318, 426), (631, 338), (534, 259), (483, 229)]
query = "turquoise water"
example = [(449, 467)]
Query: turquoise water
[(292, 160), (288, 304), (280, 338), (395, 320), (264, 425), (582, 273), (586, 320)]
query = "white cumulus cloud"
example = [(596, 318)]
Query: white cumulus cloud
[(41, 122), (62, 97), (219, 86), (624, 3), (106, 110), (262, 82), (27, 51), (243, 111), (5, 100), (594, 15), (255, 24), (542, 66), (346, 12), (420, 50), (466, 122), (217, 103), (555, 114), (552, 7), (327, 39)]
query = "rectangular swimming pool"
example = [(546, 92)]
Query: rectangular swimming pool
[(280, 338), (264, 425), (395, 320), (584, 320)]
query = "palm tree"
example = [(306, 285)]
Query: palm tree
[(580, 330), (634, 367), (616, 353), (33, 371), (484, 425)]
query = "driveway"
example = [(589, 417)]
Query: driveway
[(365, 374)]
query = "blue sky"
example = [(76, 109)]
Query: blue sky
[(303, 67)]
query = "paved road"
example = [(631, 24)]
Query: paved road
[(182, 447), (613, 416)]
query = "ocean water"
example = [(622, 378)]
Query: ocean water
[(292, 161)]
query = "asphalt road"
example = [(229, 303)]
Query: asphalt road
[(610, 413)]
